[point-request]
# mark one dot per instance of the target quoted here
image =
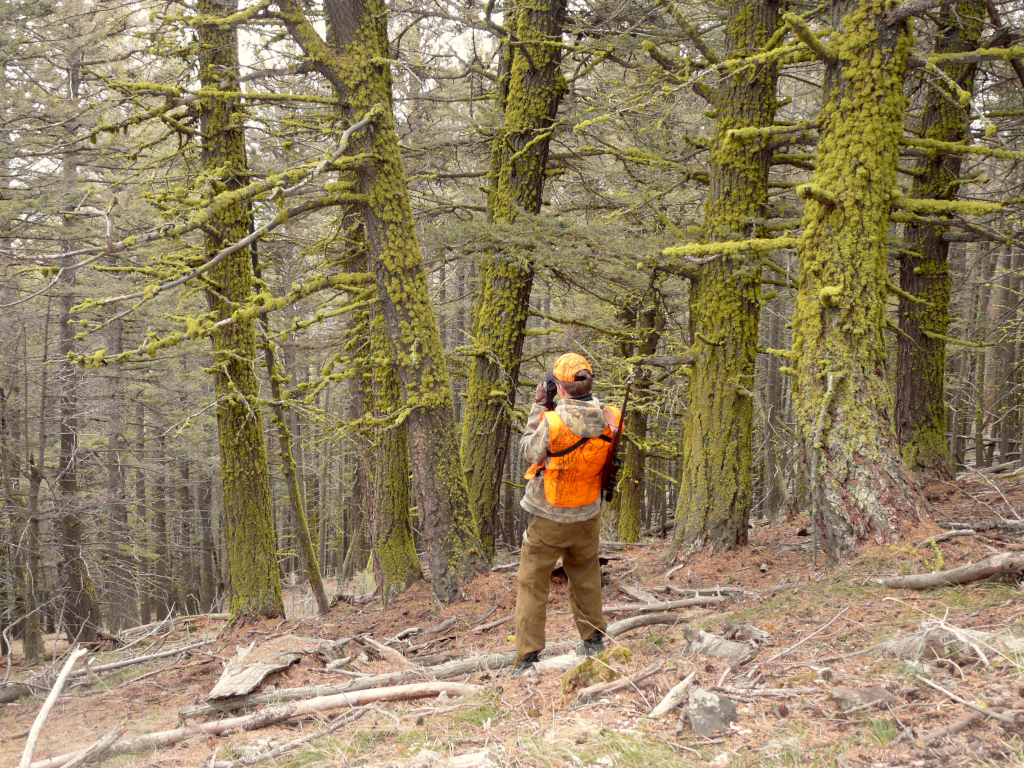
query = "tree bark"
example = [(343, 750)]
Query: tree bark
[(924, 262), (529, 92), (363, 86), (843, 404), (245, 473), (395, 562), (649, 322), (122, 606), (725, 301)]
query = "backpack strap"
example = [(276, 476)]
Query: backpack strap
[(570, 449)]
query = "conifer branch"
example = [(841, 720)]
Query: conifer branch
[(694, 37), (809, 38), (904, 11)]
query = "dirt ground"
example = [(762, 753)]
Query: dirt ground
[(787, 715)]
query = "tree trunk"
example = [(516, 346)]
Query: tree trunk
[(122, 608), (725, 301), (208, 589), (924, 263), (285, 424), (245, 473), (858, 486), (982, 327), (529, 92), (363, 86), (395, 563), (76, 589), (161, 580), (629, 523), (142, 521), (1006, 425)]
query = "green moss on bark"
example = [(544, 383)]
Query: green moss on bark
[(924, 266), (725, 299), (530, 93), (840, 394), (245, 473)]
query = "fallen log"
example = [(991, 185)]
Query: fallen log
[(439, 672), (270, 716), (37, 724), (931, 540), (288, 746), (139, 659), (670, 605), (996, 564), (622, 626), (14, 691), (99, 751)]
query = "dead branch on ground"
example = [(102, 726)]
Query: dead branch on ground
[(1007, 563), (270, 716)]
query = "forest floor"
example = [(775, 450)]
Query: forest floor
[(788, 709)]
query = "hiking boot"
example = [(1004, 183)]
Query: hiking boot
[(591, 647), (525, 666)]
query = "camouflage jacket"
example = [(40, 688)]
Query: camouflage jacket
[(586, 419)]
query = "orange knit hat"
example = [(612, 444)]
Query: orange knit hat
[(567, 366)]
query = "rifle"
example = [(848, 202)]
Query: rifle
[(611, 467)]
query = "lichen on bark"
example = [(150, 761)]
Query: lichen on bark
[(725, 298), (245, 472), (529, 91), (924, 266), (843, 404)]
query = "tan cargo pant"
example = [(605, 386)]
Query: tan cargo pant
[(543, 543)]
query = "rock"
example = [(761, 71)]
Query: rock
[(709, 713), (849, 698)]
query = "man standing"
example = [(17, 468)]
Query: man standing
[(568, 448)]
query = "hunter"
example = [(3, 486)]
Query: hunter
[(568, 447)]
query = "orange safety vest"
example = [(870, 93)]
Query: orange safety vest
[(575, 465)]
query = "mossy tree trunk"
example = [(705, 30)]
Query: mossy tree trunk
[(358, 68), (844, 407), (530, 90), (649, 322), (725, 301), (924, 263), (395, 562), (245, 473)]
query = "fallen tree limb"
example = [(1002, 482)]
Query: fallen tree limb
[(943, 537), (37, 725), (623, 626), (949, 730), (603, 689), (490, 625), (271, 716), (996, 713), (99, 751), (670, 605), (674, 698), (771, 693), (139, 659), (387, 653), (14, 691), (282, 749), (439, 672), (981, 527), (990, 566)]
